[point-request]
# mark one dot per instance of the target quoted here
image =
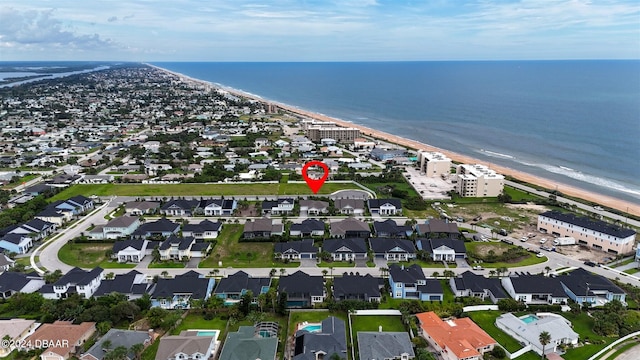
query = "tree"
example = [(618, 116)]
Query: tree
[(164, 274), (492, 273), (448, 273), (435, 274), (282, 303), (50, 278), (119, 353), (103, 327), (547, 269), (106, 345), (544, 338), (155, 254), (272, 273), (137, 350), (324, 273), (283, 272)]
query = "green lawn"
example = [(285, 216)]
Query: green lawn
[(625, 262), (632, 271), (150, 352), (166, 265), (423, 264), (371, 323), (519, 195), (176, 190), (296, 317), (582, 324), (499, 247), (399, 186), (241, 254), (20, 181), (196, 321), (486, 320), (89, 255), (336, 264)]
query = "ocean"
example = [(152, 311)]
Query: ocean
[(575, 122)]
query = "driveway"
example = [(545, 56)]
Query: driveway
[(193, 263), (380, 262), (462, 263), (361, 262), (308, 262), (144, 263)]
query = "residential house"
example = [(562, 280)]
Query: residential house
[(470, 284), (14, 282), (57, 217), (76, 281), (36, 229), (14, 332), (356, 287), (410, 283), (455, 339), (219, 207), (261, 228), (382, 154), (117, 338), (177, 292), (37, 189), (392, 249), (278, 207), (385, 207), (313, 207), (81, 204), (377, 345), (444, 249), (116, 228), (67, 337), (331, 339), (302, 290), (179, 248), (179, 207), (350, 206), (436, 228), (16, 243), (534, 289), (350, 194), (161, 227), (295, 250), (189, 345), (62, 180), (140, 208), (584, 287), (248, 343), (347, 249), (204, 230), (130, 251), (132, 284), (308, 227), (390, 229), (527, 329), (5, 263), (96, 179), (233, 287), (350, 227)]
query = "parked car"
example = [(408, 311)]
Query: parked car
[(478, 267), (543, 240), (590, 263), (524, 239), (540, 255), (503, 232)]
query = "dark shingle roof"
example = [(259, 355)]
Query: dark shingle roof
[(438, 226), (376, 203), (180, 204), (121, 245), (432, 286), (160, 225), (77, 276), (356, 245), (537, 284), (185, 283), (591, 224), (13, 281), (381, 245), (123, 284), (204, 225), (301, 283), (406, 274), (308, 225), (478, 283), (332, 339), (183, 243), (241, 281), (579, 280), (430, 244), (356, 285), (302, 246)]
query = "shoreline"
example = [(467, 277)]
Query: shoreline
[(600, 199)]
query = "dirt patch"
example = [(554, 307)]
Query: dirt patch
[(528, 206), (483, 249), (250, 210), (582, 253)]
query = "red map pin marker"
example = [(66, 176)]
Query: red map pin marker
[(315, 184)]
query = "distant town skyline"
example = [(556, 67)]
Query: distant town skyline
[(316, 30)]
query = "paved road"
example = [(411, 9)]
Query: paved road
[(630, 354)]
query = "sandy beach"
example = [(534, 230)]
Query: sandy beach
[(604, 200)]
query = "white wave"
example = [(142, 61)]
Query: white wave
[(496, 154), (591, 179)]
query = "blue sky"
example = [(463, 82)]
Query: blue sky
[(315, 30)]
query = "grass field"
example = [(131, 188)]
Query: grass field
[(632, 271), (399, 186), (499, 247), (196, 321), (166, 265), (486, 320), (519, 195), (582, 324), (296, 317), (150, 352), (241, 254), (371, 323), (88, 255), (176, 190)]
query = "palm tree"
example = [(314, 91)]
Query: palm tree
[(544, 338), (448, 274), (283, 271), (492, 273), (435, 274), (547, 269), (106, 345), (137, 350), (384, 271), (272, 273), (324, 273), (164, 274)]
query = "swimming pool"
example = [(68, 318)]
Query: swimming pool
[(529, 319), (311, 327), (213, 333)]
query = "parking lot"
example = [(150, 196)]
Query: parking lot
[(429, 188)]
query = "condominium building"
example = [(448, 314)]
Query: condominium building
[(434, 164), (341, 134), (595, 234), (478, 181)]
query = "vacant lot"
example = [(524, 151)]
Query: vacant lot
[(482, 250), (89, 256), (233, 253)]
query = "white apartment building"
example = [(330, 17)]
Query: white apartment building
[(434, 164), (595, 234), (478, 181), (341, 134)]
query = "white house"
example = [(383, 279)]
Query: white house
[(130, 250), (77, 281)]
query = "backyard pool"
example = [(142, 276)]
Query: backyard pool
[(213, 333), (529, 319), (310, 327)]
